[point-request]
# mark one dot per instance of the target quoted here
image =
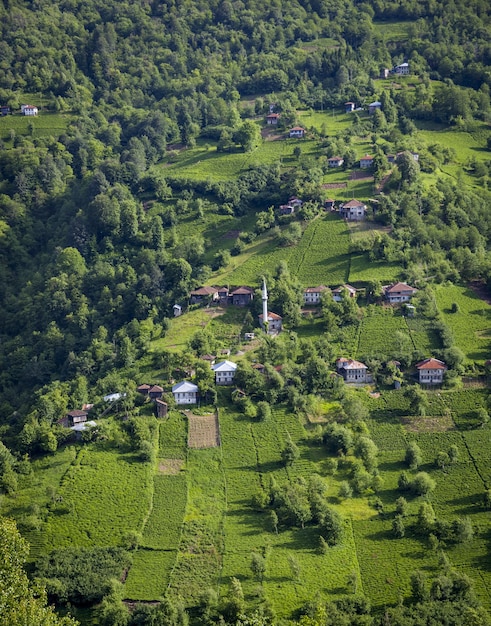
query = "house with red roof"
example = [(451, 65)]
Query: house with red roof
[(312, 295), (275, 323), (242, 296), (203, 294), (399, 292), (366, 162), (431, 371), (335, 161), (297, 131), (272, 119)]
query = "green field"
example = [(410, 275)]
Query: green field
[(471, 324), (43, 124), (321, 256)]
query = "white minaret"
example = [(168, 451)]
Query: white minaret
[(265, 306)]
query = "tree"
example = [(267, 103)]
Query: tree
[(442, 460), (413, 456), (248, 135), (398, 527), (22, 603), (401, 506), (294, 567), (418, 400), (258, 566), (422, 484), (290, 452)]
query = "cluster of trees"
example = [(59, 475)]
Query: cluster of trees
[(300, 503)]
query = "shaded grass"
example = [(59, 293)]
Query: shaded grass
[(115, 483), (471, 325)]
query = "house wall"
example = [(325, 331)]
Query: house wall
[(186, 397), (431, 377), (224, 378)]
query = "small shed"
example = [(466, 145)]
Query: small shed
[(76, 417), (161, 408), (177, 310)]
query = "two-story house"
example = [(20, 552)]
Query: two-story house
[(431, 371), (353, 371), (312, 295), (185, 392), (224, 372), (399, 292)]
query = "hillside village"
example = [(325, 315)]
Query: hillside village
[(245, 312)]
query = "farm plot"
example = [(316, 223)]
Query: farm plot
[(479, 445), (382, 333), (322, 256), (471, 324), (199, 559), (149, 574), (203, 431), (424, 336), (45, 124), (362, 270), (163, 527), (32, 490), (386, 563), (464, 405), (118, 484), (173, 436)]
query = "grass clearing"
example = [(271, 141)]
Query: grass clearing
[(471, 324), (44, 124)]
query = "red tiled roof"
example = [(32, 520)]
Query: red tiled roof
[(315, 289), (273, 316), (431, 364), (396, 287)]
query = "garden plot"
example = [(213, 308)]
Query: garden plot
[(203, 431)]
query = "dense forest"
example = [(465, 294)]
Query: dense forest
[(92, 247)]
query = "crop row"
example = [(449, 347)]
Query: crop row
[(322, 254), (173, 436), (199, 558), (116, 484), (163, 527)]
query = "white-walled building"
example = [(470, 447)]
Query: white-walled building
[(224, 372)]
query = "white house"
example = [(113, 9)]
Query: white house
[(431, 371), (224, 372), (272, 119), (399, 292), (353, 210), (366, 162), (28, 109), (185, 392), (402, 69), (337, 293), (312, 295), (353, 371), (335, 161), (297, 131)]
